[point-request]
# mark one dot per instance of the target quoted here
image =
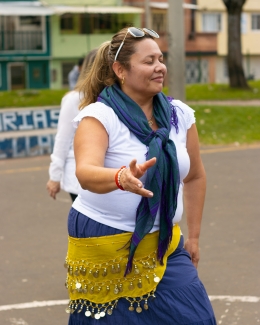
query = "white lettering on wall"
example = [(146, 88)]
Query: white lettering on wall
[(44, 144), (25, 125), (17, 154), (39, 119), (54, 116), (8, 121)]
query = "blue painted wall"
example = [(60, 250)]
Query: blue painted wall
[(25, 119), (24, 146), (25, 132)]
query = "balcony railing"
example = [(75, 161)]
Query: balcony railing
[(21, 41)]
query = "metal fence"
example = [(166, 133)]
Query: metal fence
[(197, 71), (21, 41)]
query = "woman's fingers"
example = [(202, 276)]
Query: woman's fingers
[(53, 195), (133, 184), (149, 163), (133, 166), (130, 177), (139, 169), (53, 188)]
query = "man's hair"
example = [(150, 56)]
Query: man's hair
[(80, 62)]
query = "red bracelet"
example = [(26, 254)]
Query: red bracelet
[(117, 177)]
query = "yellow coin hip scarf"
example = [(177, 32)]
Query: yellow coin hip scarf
[(96, 267)]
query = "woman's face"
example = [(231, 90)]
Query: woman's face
[(147, 70)]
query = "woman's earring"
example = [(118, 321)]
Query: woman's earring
[(123, 80)]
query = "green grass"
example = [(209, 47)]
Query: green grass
[(31, 98), (227, 125), (216, 124), (221, 92), (46, 97)]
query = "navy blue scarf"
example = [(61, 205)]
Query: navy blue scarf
[(163, 178)]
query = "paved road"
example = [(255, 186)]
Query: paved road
[(33, 240)]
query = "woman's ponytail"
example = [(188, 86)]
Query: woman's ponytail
[(98, 77)]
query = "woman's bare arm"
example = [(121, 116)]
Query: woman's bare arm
[(90, 146), (194, 194)]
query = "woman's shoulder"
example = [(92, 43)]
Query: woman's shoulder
[(184, 112), (98, 110)]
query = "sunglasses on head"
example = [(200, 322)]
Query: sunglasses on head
[(136, 32)]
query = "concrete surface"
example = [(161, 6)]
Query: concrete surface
[(33, 239)]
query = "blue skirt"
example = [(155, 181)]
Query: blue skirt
[(181, 298)]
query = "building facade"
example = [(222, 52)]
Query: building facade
[(200, 47), (206, 37), (24, 45), (212, 17), (40, 42), (77, 29)]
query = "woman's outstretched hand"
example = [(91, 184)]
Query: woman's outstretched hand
[(130, 177)]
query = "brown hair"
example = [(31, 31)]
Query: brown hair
[(88, 60), (101, 73)]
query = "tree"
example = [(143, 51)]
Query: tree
[(234, 58)]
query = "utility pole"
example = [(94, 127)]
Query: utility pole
[(147, 14), (176, 50)]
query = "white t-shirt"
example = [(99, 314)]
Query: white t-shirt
[(118, 208), (62, 167)]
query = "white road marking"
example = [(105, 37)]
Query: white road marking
[(234, 298), (35, 304), (23, 170)]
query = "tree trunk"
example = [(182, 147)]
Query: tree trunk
[(234, 58)]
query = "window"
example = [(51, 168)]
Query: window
[(103, 23), (53, 75), (243, 23), (66, 22), (211, 22), (159, 22), (30, 21), (97, 23), (225, 68), (255, 21)]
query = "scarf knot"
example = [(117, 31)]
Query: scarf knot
[(163, 135), (163, 178), (150, 136)]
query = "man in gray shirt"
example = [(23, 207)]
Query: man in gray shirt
[(74, 74)]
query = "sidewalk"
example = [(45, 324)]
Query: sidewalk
[(234, 103)]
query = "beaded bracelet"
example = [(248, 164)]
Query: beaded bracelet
[(117, 177)]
